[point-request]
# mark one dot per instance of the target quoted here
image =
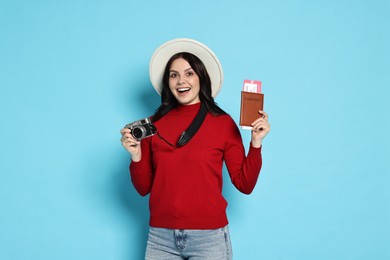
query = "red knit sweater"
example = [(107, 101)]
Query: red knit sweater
[(185, 184)]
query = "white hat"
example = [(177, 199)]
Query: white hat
[(163, 53)]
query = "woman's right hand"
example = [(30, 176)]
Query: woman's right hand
[(132, 145)]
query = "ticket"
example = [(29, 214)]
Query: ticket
[(252, 86)]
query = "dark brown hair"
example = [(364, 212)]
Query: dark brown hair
[(168, 100)]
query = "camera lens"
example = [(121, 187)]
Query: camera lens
[(138, 132)]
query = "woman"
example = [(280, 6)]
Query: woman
[(187, 210)]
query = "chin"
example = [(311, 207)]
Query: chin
[(185, 101)]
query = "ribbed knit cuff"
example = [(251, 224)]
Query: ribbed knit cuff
[(252, 147)]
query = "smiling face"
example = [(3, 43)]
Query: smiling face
[(184, 82)]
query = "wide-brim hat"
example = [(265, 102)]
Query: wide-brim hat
[(163, 53)]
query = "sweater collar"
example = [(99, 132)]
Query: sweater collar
[(188, 108)]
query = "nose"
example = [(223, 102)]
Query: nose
[(180, 81)]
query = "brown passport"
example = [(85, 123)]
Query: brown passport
[(251, 103)]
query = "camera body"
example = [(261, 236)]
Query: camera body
[(142, 128)]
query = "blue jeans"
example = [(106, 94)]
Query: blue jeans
[(164, 244)]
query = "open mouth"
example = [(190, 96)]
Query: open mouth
[(183, 90)]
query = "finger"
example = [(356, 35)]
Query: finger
[(128, 143), (124, 137), (264, 115), (257, 128), (125, 130), (129, 139), (127, 135), (259, 123), (258, 120), (261, 126)]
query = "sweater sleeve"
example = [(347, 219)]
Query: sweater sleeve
[(142, 173), (243, 170)]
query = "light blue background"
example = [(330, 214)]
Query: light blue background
[(72, 73)]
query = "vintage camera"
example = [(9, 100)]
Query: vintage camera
[(142, 128)]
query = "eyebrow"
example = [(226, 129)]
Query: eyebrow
[(184, 70)]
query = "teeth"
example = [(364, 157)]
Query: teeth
[(183, 89)]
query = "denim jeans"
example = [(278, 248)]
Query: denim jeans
[(164, 244)]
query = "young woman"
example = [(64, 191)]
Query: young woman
[(181, 167)]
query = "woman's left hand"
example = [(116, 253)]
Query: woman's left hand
[(260, 128)]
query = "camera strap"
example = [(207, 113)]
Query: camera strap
[(186, 136)]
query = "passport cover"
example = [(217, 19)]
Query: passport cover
[(251, 103)]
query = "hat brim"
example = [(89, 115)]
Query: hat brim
[(163, 53)]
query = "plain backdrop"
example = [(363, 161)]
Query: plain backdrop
[(72, 73)]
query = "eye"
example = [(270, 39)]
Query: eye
[(190, 73), (173, 75)]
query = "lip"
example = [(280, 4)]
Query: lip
[(188, 89)]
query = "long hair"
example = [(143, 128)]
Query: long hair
[(168, 100)]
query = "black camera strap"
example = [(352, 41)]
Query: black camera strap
[(186, 136)]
